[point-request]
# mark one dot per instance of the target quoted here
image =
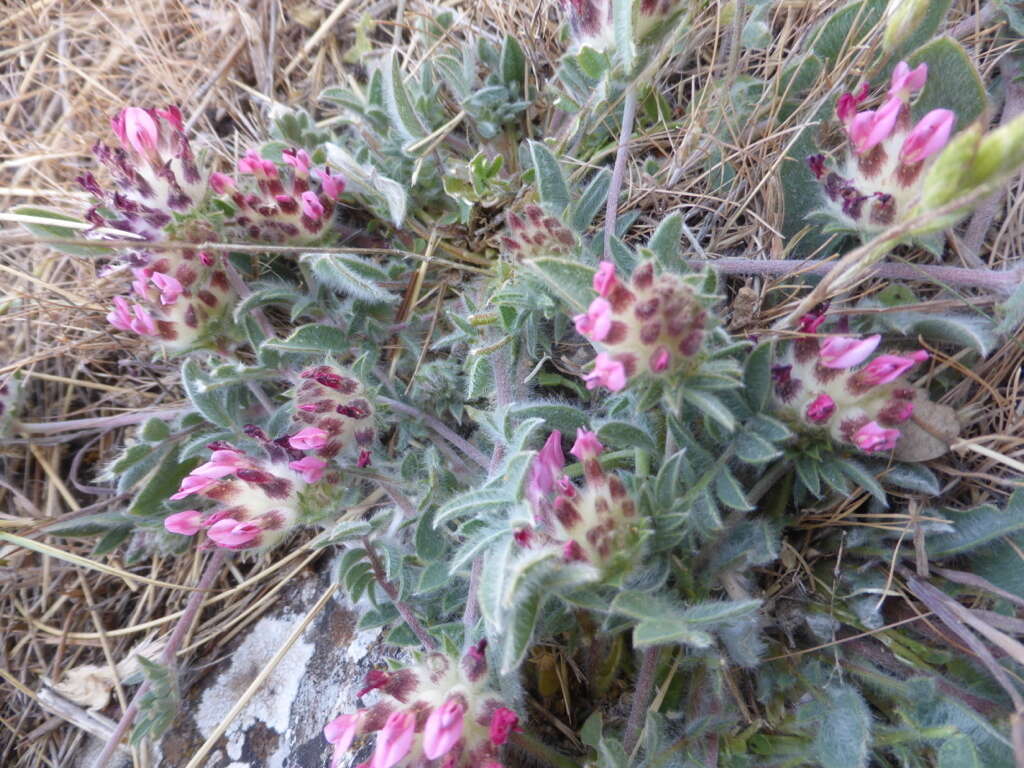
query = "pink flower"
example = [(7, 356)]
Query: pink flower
[(660, 360), (607, 372), (545, 468), (873, 437), (927, 137), (821, 409), (136, 128), (395, 739), (340, 732), (906, 80), (810, 322), (120, 316), (845, 351), (443, 729), (586, 446), (332, 185), (173, 116), (170, 288), (221, 464), (193, 484), (307, 439), (596, 324), (604, 278), (846, 106), (311, 468), (143, 322), (870, 128), (232, 534), (297, 159), (886, 368), (503, 722), (186, 523), (311, 206), (221, 183)]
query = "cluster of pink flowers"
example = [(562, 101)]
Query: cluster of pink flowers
[(829, 384), (177, 295), (334, 413), (880, 178), (653, 324), (597, 524), (536, 234), (258, 500), (277, 206), (439, 710)]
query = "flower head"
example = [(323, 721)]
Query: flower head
[(653, 324), (880, 179), (835, 387), (441, 709), (332, 412)]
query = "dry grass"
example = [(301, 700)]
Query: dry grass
[(67, 65)]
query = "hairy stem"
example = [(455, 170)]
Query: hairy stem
[(100, 422), (611, 210), (1002, 281), (641, 698), (467, 448), (392, 592), (181, 629)]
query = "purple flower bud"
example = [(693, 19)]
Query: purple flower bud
[(821, 409)]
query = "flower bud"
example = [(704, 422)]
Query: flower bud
[(332, 413), (903, 19), (535, 233)]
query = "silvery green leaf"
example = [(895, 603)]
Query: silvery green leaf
[(366, 182), (349, 274)]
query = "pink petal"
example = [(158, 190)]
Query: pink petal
[(341, 731), (311, 205), (869, 129), (545, 468), (604, 278), (821, 409), (846, 352), (310, 438), (660, 359), (332, 185), (140, 130), (232, 534), (443, 729), (311, 468), (607, 372), (221, 183), (906, 80), (170, 288), (120, 317), (886, 368), (192, 484), (927, 137), (394, 740), (873, 437), (586, 446), (503, 722), (186, 523)]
